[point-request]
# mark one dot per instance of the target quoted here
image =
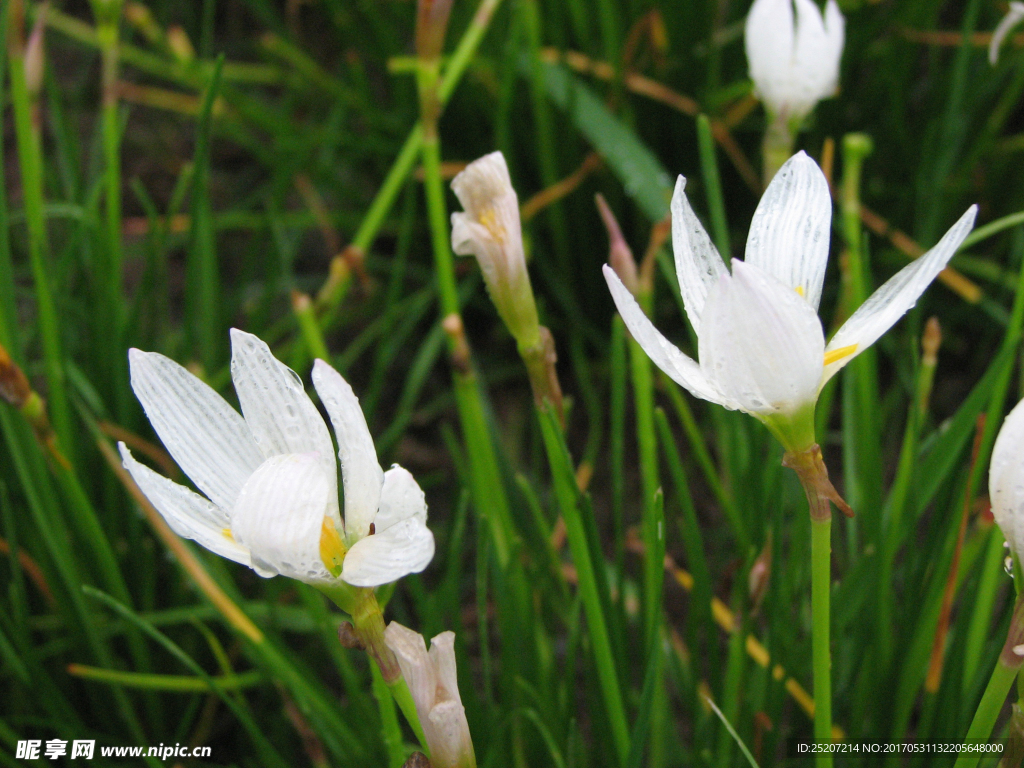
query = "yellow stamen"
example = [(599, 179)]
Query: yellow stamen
[(332, 548), (800, 290), (490, 221), (227, 534), (839, 354)]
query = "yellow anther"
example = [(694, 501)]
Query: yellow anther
[(489, 220), (800, 290), (332, 548), (227, 534), (839, 354)]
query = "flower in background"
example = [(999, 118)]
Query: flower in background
[(1012, 18), (489, 229), (435, 690), (270, 479), (794, 65), (760, 343)]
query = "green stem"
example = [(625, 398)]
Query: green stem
[(713, 185), (368, 631), (643, 402), (988, 710), (403, 165), (821, 562), (110, 320), (403, 697), (31, 167), (566, 493), (487, 485), (777, 146)]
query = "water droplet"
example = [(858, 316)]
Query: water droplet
[(1008, 566)]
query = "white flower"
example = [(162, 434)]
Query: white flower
[(1007, 23), (435, 691), (760, 342), (490, 230), (794, 66), (1006, 479), (271, 479)]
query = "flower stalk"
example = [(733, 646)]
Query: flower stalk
[(776, 146), (366, 633), (810, 468), (821, 582), (992, 700)]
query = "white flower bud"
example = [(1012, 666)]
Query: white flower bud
[(794, 65), (490, 230), (1006, 479), (435, 691)]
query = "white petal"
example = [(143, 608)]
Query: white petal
[(481, 182), (401, 498), (818, 51), (442, 655), (698, 263), (406, 547), (205, 435), (468, 235), (769, 40), (361, 474), (901, 292), (279, 517), (789, 234), (277, 409), (1007, 23), (762, 344), (447, 732), (835, 34), (417, 668), (1006, 479), (189, 514), (662, 352)]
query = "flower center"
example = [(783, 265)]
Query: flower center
[(332, 548), (489, 220)]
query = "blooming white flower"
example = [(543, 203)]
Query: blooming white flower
[(1012, 18), (435, 691), (489, 229), (271, 479), (794, 66), (1006, 479), (760, 342)]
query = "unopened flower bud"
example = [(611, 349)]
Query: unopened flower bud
[(620, 256), (794, 63), (489, 229), (435, 691), (35, 54)]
